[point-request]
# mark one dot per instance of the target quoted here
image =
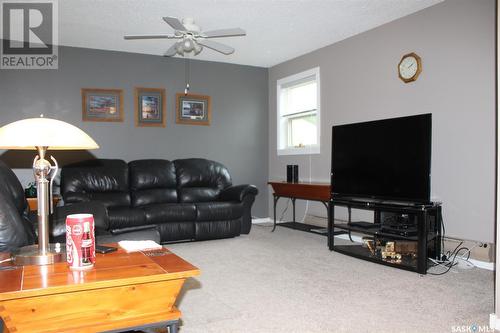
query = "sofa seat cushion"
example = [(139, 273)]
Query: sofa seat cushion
[(162, 213), (214, 211), (124, 217)]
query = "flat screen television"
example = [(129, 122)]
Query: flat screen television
[(386, 160)]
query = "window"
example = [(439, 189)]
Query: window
[(299, 113)]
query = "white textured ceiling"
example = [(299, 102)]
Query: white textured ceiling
[(277, 30)]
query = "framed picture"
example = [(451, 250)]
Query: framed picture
[(150, 107), (102, 104), (193, 109)]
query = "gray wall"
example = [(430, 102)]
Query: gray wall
[(359, 82), (237, 136)]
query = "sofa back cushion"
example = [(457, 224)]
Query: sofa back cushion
[(152, 182), (200, 180), (105, 180)]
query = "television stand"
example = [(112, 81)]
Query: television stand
[(401, 235)]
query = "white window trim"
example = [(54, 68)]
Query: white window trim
[(311, 149)]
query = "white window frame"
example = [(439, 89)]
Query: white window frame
[(280, 136)]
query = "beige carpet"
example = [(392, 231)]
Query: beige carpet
[(288, 281)]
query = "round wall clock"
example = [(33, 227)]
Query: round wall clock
[(409, 67)]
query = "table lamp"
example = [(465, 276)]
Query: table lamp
[(42, 134)]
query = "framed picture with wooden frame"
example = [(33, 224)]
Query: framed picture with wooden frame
[(150, 107), (102, 104), (193, 109)]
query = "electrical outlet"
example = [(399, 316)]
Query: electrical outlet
[(479, 250)]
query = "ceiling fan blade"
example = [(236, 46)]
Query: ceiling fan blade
[(174, 23), (216, 46), (157, 36), (224, 33), (171, 51)]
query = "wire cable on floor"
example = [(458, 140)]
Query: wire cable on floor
[(284, 211), (6, 260), (451, 259)]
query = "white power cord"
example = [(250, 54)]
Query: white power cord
[(6, 260), (310, 180), (441, 263), (463, 260)]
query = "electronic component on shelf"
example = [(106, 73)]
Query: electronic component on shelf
[(406, 247), (408, 232), (370, 244), (390, 253), (364, 225)]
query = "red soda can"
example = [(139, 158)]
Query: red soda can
[(80, 241)]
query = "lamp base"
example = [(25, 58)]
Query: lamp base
[(30, 255)]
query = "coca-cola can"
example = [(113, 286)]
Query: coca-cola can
[(80, 241)]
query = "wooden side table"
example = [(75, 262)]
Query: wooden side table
[(33, 202), (320, 192), (123, 291)]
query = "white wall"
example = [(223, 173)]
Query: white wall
[(359, 82)]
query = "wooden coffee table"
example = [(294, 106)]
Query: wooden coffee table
[(123, 290)]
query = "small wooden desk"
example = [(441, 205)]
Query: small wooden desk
[(122, 291), (305, 191), (33, 202)]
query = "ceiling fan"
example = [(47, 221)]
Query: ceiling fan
[(191, 38)]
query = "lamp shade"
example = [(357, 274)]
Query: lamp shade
[(30, 133)]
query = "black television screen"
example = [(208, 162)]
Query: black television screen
[(386, 159)]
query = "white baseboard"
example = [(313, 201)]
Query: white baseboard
[(261, 220), (494, 322), (483, 264)]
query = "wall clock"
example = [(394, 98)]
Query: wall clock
[(409, 67)]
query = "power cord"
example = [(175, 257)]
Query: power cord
[(310, 180), (282, 213), (6, 260), (451, 258), (284, 210)]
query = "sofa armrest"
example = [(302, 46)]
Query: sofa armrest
[(237, 193), (58, 219)]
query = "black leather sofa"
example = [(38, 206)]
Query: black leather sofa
[(19, 228), (185, 199)]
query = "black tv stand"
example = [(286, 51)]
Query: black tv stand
[(402, 235)]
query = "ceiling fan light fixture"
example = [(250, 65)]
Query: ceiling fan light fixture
[(188, 44), (179, 47), (197, 48), (190, 38)]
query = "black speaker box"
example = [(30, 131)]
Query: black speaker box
[(289, 173)]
